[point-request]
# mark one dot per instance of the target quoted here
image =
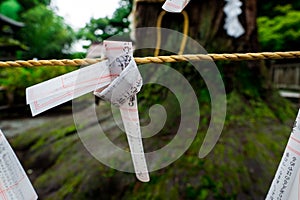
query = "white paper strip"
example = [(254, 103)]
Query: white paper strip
[(125, 86), (56, 91), (122, 93), (288, 167), (130, 118), (117, 80), (295, 192), (175, 5), (14, 183), (232, 25)]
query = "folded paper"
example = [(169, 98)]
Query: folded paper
[(14, 183), (232, 25), (116, 80), (287, 171), (128, 84), (56, 91), (294, 193), (175, 6), (122, 93)]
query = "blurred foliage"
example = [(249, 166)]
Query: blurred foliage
[(11, 9), (266, 7), (28, 4), (16, 80), (281, 32), (100, 29), (6, 41), (45, 34), (19, 78)]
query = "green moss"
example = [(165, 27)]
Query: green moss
[(68, 187), (241, 165)]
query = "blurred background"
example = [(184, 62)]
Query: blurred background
[(262, 97)]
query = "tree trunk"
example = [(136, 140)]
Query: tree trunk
[(206, 22), (206, 19), (252, 102)]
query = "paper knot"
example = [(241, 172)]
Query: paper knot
[(175, 6), (126, 78)]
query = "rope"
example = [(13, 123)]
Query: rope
[(64, 62), (160, 59), (185, 32), (158, 24)]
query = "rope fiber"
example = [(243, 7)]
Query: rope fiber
[(185, 32), (160, 59)]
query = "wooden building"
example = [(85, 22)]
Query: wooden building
[(9, 45)]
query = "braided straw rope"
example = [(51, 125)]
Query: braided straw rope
[(160, 59)]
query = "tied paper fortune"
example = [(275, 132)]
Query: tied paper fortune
[(175, 6), (294, 193), (14, 183), (122, 93), (51, 93), (116, 80), (285, 177), (232, 25)]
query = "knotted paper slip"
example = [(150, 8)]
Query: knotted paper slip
[(175, 5), (122, 93), (295, 190), (285, 184), (14, 183), (56, 91), (116, 80), (232, 25)]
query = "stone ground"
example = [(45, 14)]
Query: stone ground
[(13, 127), (17, 120)]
